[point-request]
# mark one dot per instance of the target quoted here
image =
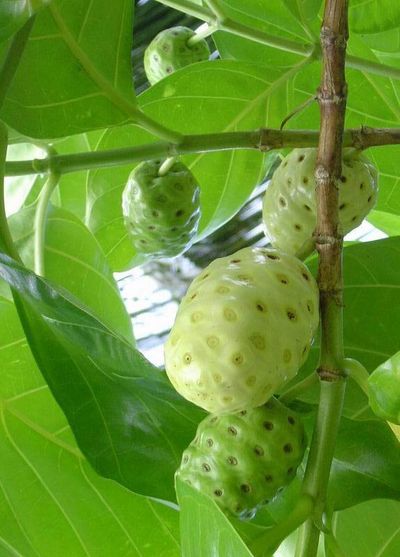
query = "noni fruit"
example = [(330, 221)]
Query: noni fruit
[(242, 330), (289, 205), (242, 460), (161, 213), (169, 51)]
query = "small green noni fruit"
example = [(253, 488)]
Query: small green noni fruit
[(242, 460), (169, 51), (161, 213), (242, 330), (289, 205)]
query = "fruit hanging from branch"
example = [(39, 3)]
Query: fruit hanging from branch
[(289, 205), (243, 460), (161, 213), (171, 50), (243, 329)]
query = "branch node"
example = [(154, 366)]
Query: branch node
[(331, 375)]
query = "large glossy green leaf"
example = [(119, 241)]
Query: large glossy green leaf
[(387, 222), (203, 98), (373, 16), (50, 498), (104, 386), (74, 260), (205, 530), (14, 13), (76, 51), (366, 464), (369, 530), (371, 316)]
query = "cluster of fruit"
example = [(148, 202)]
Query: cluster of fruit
[(246, 324)]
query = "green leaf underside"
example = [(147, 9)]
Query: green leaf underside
[(370, 529), (387, 222), (366, 464), (373, 16), (65, 94), (48, 492), (74, 260), (104, 386)]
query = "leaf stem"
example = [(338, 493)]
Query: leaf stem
[(40, 222), (358, 373), (264, 139), (266, 544), (6, 241), (13, 57)]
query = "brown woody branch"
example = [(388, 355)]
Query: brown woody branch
[(329, 242)]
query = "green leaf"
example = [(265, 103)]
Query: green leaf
[(74, 260), (371, 316), (384, 390), (372, 16), (69, 90), (204, 527), (370, 529), (104, 386), (387, 222), (14, 13), (48, 492), (285, 19), (304, 10), (366, 464)]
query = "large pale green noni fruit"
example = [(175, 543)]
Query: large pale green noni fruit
[(242, 460), (242, 330), (169, 51), (289, 205), (161, 213)]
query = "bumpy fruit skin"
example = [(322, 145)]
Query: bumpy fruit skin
[(242, 330), (384, 390), (242, 460), (161, 213), (169, 52), (289, 205)]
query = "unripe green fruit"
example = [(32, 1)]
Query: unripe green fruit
[(169, 51), (161, 213), (242, 460), (289, 205), (243, 329)]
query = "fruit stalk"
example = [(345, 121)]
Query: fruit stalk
[(6, 242), (332, 97)]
